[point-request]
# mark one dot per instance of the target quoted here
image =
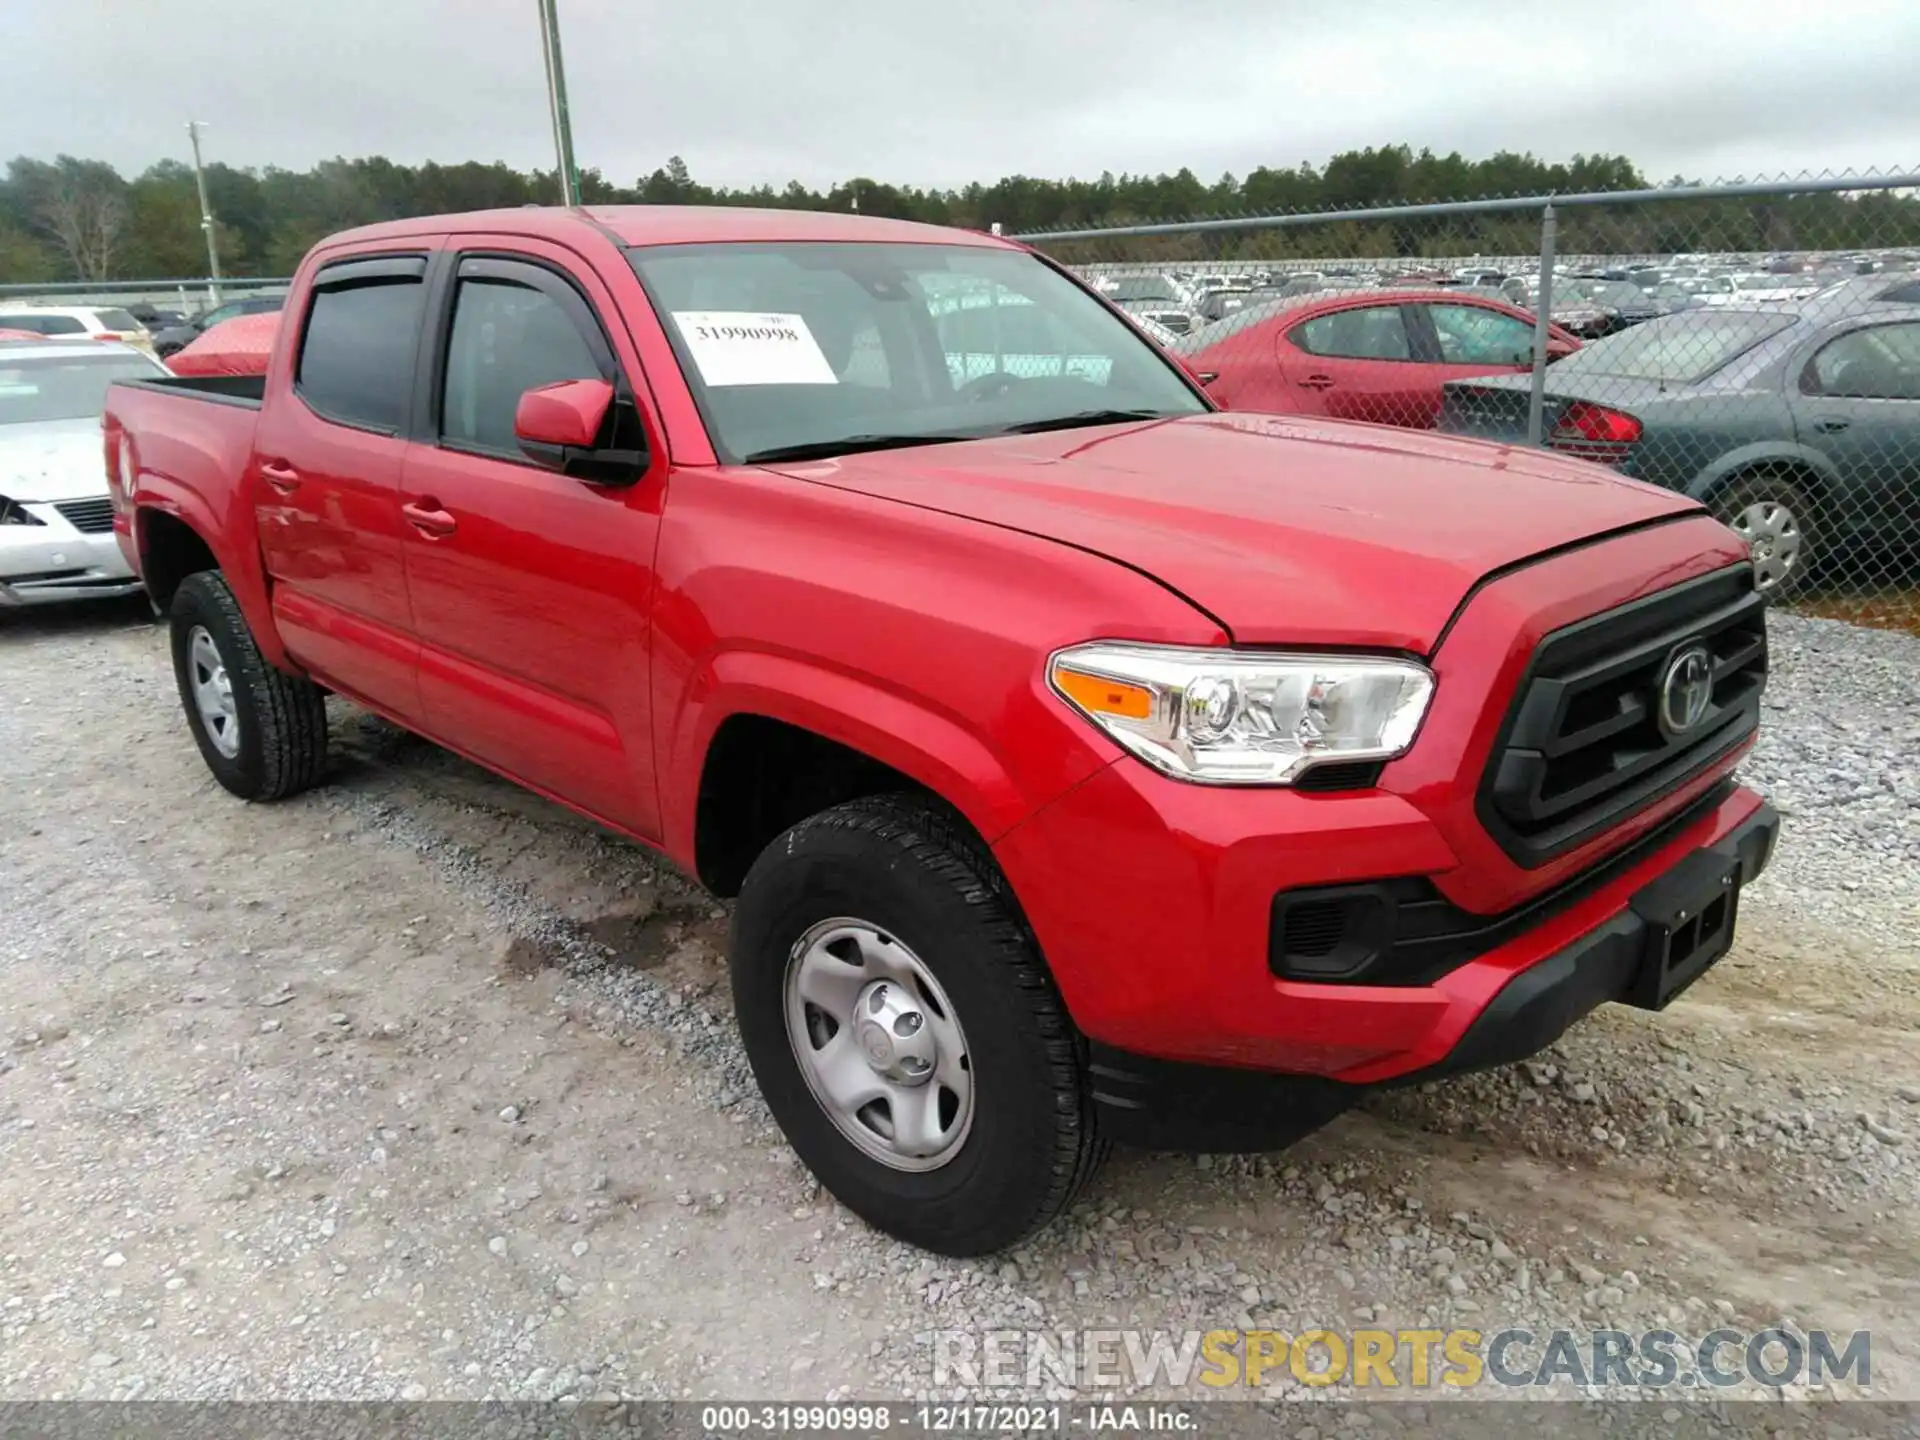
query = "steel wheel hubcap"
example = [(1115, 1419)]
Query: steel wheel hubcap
[(879, 1044), (1773, 539), (212, 692)]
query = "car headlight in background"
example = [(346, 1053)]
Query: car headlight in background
[(13, 514), (1236, 717)]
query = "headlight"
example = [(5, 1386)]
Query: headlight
[(12, 514), (1235, 717)]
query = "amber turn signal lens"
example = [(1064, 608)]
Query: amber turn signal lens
[(1098, 695)]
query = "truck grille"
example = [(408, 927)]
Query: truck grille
[(1587, 744), (95, 517)]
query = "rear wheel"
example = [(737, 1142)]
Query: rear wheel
[(904, 1030), (1775, 517), (262, 732)]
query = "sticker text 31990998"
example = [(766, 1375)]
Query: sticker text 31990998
[(744, 347)]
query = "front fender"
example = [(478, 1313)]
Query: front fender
[(901, 731)]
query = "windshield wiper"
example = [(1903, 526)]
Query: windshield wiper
[(1082, 417), (845, 445)]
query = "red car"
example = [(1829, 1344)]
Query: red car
[(1089, 764), (1373, 355)]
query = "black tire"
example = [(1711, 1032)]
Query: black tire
[(917, 870), (1757, 494), (280, 719)]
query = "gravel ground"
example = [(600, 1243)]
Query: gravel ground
[(420, 1087)]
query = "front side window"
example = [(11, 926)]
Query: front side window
[(1470, 335), (64, 387), (825, 348), (1878, 364), (1372, 332), (507, 339), (356, 359)]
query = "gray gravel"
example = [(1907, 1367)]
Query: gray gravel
[(419, 1087)]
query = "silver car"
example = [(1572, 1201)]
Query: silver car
[(56, 516)]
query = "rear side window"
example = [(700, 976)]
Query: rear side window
[(1376, 332), (356, 358), (1878, 364)]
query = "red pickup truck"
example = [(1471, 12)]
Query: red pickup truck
[(1089, 764)]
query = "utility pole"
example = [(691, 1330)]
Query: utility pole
[(557, 102), (206, 213)]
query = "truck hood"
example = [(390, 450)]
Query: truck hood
[(1285, 530), (51, 460)]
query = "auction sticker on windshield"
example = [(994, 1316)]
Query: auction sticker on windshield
[(744, 347)]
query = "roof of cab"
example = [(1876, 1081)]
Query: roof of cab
[(678, 225)]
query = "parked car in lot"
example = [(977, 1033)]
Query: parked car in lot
[(178, 337), (1799, 426), (1151, 297), (105, 323), (1375, 355), (56, 517), (1089, 764)]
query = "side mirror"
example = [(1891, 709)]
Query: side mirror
[(1559, 350), (566, 415), (559, 427)]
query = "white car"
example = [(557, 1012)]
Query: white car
[(89, 322), (56, 516)]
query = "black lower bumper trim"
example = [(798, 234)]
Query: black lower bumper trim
[(1172, 1105)]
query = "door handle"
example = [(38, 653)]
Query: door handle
[(1831, 424), (281, 477), (428, 518), (1317, 382)]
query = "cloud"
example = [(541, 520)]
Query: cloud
[(769, 90)]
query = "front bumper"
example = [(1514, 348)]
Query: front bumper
[(1153, 903), (1173, 1105), (53, 561)]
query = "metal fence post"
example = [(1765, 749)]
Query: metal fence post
[(1542, 328)]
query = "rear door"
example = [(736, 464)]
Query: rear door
[(1460, 339), (1857, 401), (1358, 363), (325, 475), (532, 590)]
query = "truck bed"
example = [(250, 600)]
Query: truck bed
[(243, 390)]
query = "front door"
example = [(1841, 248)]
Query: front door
[(531, 590), (325, 479), (1463, 340)]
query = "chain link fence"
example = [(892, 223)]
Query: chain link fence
[(1755, 345)]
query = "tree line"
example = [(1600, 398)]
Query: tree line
[(79, 219)]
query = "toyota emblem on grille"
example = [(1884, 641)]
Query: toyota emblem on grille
[(1686, 689)]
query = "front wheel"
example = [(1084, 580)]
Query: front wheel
[(262, 732), (904, 1030)]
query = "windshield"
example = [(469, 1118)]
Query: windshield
[(1676, 349), (63, 387), (117, 320), (819, 349)]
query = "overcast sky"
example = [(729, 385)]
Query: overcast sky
[(941, 93)]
